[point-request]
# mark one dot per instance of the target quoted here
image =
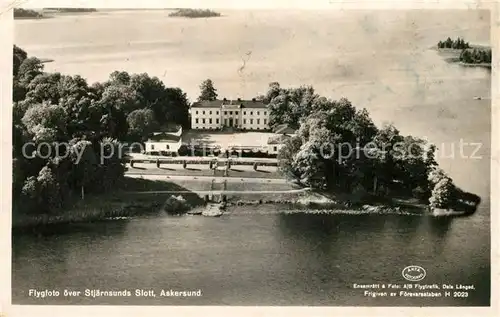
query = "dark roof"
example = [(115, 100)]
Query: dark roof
[(164, 137), (278, 139), (218, 103), (169, 128), (283, 129)]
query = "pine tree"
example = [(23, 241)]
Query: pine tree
[(208, 92)]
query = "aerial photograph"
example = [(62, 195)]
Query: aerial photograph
[(234, 157)]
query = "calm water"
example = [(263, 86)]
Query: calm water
[(257, 256)]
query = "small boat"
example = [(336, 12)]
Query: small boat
[(477, 98)]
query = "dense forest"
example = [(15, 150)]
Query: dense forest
[(457, 44), (73, 130), (20, 13), (71, 9), (339, 149), (194, 13), (476, 56)]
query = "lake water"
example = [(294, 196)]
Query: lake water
[(379, 61)]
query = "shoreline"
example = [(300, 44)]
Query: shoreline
[(43, 17), (123, 204)]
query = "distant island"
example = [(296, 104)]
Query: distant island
[(71, 9), (457, 44), (20, 13), (464, 53), (194, 13), (27, 14)]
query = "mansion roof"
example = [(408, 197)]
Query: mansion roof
[(230, 103)]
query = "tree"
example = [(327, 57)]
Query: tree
[(45, 122), (121, 97), (84, 159), (30, 188), (141, 123), (272, 92), (443, 194), (309, 167), (19, 55), (119, 78), (48, 189), (113, 121), (174, 108), (286, 156), (289, 106), (208, 92), (29, 69), (111, 168)]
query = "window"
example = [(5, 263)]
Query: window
[(196, 111), (196, 120), (217, 112), (210, 112), (265, 113), (210, 120), (236, 112), (225, 113), (203, 112), (275, 149), (244, 113), (265, 121), (251, 121), (258, 113), (217, 121), (152, 146), (251, 113), (225, 121), (167, 146), (244, 121), (203, 120), (235, 121), (258, 121), (230, 113)]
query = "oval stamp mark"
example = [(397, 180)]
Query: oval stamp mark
[(414, 273)]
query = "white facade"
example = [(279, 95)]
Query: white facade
[(206, 118), (275, 143), (164, 142), (162, 146), (244, 115), (274, 148), (255, 119)]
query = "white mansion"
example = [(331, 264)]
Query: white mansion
[(239, 114)]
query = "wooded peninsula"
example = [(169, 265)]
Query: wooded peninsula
[(195, 13), (52, 108)]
